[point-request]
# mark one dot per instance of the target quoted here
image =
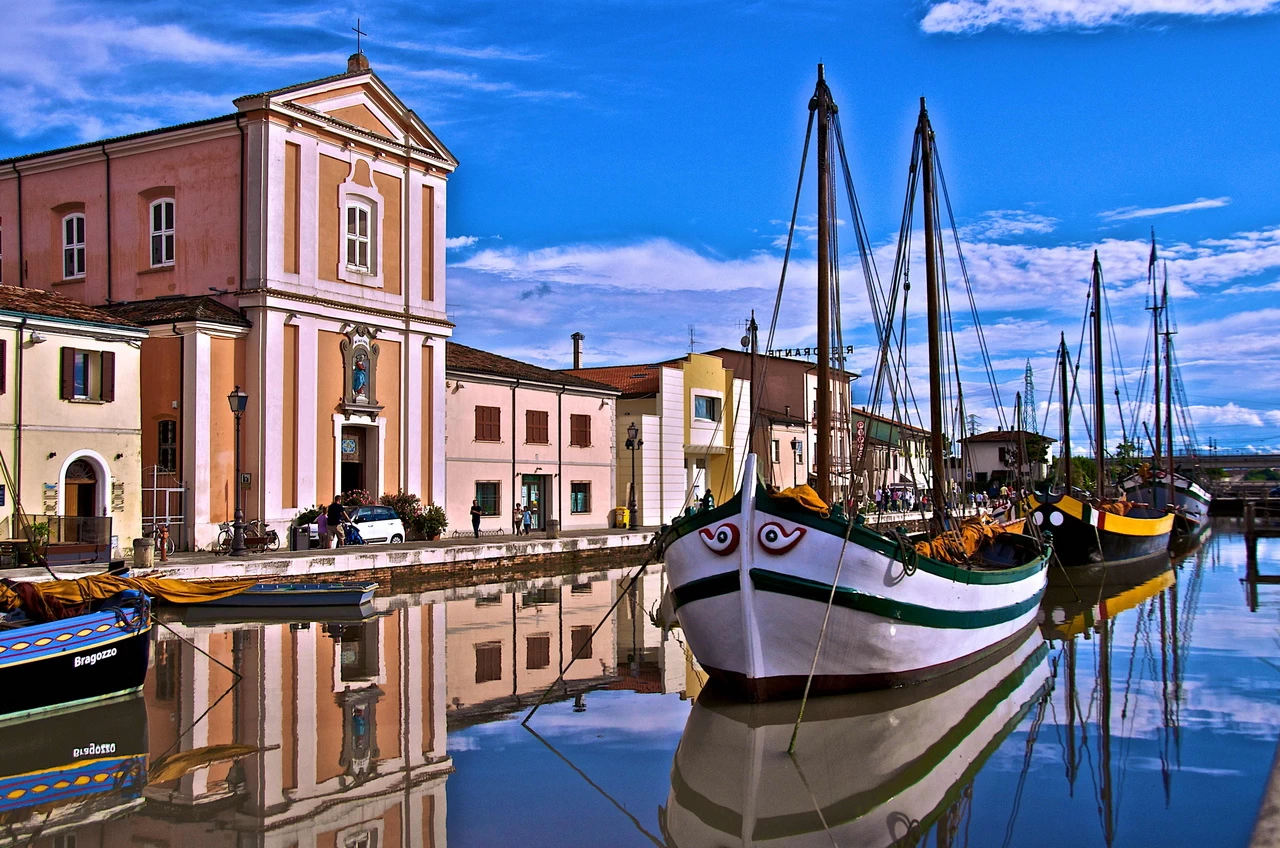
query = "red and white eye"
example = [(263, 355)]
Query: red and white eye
[(775, 538), (723, 540)]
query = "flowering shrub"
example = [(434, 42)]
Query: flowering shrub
[(307, 516), (417, 517), (356, 497)]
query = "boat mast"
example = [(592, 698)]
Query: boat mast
[(1104, 673), (1155, 321), (1066, 413), (1168, 393), (823, 103), (1099, 402), (937, 463)]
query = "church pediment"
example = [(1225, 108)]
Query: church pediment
[(361, 100)]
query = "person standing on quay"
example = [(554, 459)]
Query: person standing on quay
[(475, 517), (335, 515), (517, 518), (527, 522)]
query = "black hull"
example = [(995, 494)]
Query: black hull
[(114, 729), (1079, 544), (55, 681)]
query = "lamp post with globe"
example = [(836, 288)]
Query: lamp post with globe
[(239, 401)]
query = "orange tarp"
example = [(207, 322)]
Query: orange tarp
[(70, 593), (958, 546)]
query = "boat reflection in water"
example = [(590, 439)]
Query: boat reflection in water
[(66, 770), (1084, 621), (871, 769)]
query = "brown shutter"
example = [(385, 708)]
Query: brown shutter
[(488, 424), (536, 428), (68, 373), (580, 431), (108, 375), (480, 422), (4, 366)]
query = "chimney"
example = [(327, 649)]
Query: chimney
[(577, 349), (357, 62)]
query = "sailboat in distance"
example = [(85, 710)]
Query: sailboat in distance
[(761, 581), (1090, 529)]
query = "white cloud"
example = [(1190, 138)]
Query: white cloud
[(460, 241), (1002, 223), (1128, 212), (970, 16)]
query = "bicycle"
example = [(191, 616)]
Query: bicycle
[(258, 536)]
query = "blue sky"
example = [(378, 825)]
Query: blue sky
[(626, 166)]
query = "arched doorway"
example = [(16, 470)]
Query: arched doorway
[(80, 487)]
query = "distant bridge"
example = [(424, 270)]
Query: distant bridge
[(1229, 461)]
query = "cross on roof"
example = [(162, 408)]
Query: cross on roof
[(359, 32)]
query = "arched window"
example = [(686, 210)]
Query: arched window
[(359, 236), (73, 246), (162, 232)]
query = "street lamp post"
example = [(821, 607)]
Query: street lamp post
[(239, 401), (796, 445), (633, 443)]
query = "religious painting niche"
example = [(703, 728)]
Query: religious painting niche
[(360, 362)]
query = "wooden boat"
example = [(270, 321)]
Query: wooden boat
[(299, 595), (1090, 530), (872, 769), (1162, 484), (72, 768), (76, 661), (753, 580)]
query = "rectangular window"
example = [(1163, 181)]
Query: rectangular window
[(581, 589), (543, 597), (73, 246), (88, 375), (488, 424), (775, 451), (536, 431), (580, 431), (706, 408), (537, 651), (580, 638), (488, 662), (487, 496), (358, 240), (167, 453), (161, 233), (579, 497)]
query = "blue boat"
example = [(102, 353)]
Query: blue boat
[(299, 595), (75, 661)]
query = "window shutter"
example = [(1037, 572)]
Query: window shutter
[(4, 366), (68, 373), (108, 375)]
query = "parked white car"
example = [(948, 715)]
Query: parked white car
[(377, 524)]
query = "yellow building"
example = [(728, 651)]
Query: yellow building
[(691, 415), (69, 417)]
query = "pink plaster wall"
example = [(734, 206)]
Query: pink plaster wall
[(204, 176)]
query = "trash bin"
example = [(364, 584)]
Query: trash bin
[(144, 552), (299, 537), (621, 517), (553, 528)]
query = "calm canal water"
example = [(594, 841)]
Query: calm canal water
[(403, 728)]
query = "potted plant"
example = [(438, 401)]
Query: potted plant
[(409, 508), (433, 522)]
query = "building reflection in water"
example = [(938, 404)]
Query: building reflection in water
[(315, 733)]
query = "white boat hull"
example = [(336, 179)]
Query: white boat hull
[(751, 582)]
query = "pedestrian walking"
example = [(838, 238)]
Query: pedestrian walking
[(335, 514), (476, 512), (527, 520), (517, 518)]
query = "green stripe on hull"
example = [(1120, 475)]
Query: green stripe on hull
[(812, 590), (706, 587), (855, 806)]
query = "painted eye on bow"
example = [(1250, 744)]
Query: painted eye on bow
[(723, 540), (775, 539)]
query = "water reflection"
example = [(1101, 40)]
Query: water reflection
[(870, 769), (333, 732)]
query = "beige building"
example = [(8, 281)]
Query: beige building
[(691, 415), (71, 439), (517, 433)]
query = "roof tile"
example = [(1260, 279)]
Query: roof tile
[(463, 358), (53, 305)]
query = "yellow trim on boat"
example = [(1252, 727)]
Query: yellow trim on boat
[(1124, 525)]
